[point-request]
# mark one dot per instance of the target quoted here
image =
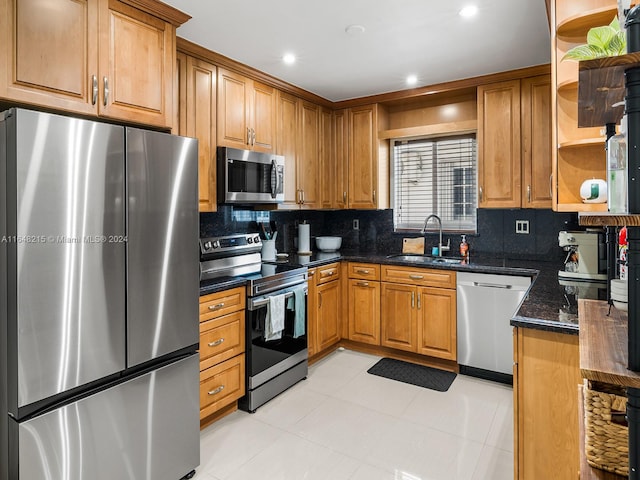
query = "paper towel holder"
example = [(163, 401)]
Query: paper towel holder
[(304, 240)]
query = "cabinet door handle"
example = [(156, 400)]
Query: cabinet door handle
[(363, 284), (215, 343), (217, 306), (216, 390), (248, 136), (374, 196), (94, 88), (551, 186), (344, 197), (413, 299), (105, 83), (366, 272), (253, 137), (416, 277), (528, 193), (302, 196), (320, 300), (481, 193), (419, 301)]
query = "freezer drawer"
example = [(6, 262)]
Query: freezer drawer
[(162, 247), (145, 428)]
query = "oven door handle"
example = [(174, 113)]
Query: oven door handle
[(257, 303)]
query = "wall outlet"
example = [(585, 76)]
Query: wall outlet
[(356, 224), (522, 226)]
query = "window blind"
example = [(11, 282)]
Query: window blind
[(436, 175)]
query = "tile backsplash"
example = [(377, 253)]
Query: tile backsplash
[(496, 229)]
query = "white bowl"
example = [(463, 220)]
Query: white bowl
[(620, 305), (328, 244)]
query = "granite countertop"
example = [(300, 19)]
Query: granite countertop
[(550, 304)]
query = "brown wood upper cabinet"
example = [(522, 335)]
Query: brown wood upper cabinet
[(298, 140), (246, 113), (368, 158), (197, 118), (514, 144), (94, 57)]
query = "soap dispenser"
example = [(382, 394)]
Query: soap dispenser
[(464, 247)]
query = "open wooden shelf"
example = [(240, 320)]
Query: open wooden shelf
[(608, 220), (570, 85), (601, 86), (583, 142), (578, 25), (582, 207), (603, 344)]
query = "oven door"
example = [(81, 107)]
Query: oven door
[(250, 177), (267, 359)]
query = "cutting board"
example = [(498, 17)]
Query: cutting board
[(413, 245)]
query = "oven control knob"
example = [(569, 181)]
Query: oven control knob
[(207, 246), (256, 240), (216, 244), (250, 240)]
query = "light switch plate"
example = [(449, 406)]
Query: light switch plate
[(356, 224), (522, 226)]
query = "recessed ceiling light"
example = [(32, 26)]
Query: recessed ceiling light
[(412, 80), (354, 30), (289, 58), (468, 11)]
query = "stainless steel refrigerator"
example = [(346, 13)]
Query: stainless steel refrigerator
[(98, 301)]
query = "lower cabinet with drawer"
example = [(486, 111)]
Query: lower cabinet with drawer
[(418, 310), (325, 307), (222, 347), (364, 303)]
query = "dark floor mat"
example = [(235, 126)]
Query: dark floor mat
[(419, 375)]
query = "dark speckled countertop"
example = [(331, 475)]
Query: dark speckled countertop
[(548, 305)]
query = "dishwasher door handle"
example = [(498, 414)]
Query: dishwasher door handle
[(492, 285)]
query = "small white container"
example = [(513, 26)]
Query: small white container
[(268, 250)]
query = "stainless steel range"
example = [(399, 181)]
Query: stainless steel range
[(276, 360)]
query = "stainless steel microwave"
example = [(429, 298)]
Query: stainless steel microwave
[(249, 177)]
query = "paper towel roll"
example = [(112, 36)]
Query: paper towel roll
[(303, 239)]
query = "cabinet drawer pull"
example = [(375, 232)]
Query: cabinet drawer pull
[(216, 342), (216, 390), (364, 272), (416, 277), (217, 306), (363, 284), (94, 88), (105, 83), (327, 273)]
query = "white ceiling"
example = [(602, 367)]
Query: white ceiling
[(423, 37)]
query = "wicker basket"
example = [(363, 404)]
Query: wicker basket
[(606, 431)]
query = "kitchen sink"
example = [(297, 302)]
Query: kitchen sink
[(424, 259)]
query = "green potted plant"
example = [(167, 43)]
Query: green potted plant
[(605, 41)]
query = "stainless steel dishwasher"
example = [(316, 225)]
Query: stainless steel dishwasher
[(486, 303)]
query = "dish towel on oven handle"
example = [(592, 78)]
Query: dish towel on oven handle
[(274, 323), (297, 304)]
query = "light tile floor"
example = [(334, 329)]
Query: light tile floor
[(343, 423)]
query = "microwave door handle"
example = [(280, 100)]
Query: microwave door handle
[(274, 179)]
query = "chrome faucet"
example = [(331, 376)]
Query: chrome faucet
[(424, 230)]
